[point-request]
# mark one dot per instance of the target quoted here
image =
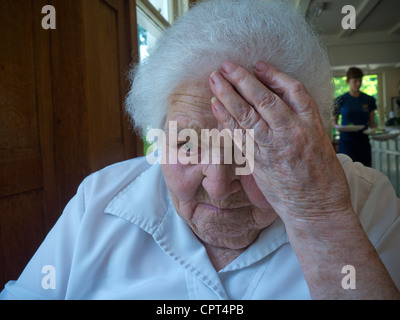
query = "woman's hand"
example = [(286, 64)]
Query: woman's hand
[(295, 165), (297, 171)]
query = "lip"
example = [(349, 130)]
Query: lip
[(214, 208)]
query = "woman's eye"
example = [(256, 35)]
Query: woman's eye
[(182, 145), (189, 152), (187, 147)]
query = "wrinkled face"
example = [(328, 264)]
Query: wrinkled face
[(355, 84), (223, 209)]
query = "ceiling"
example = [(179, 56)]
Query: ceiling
[(374, 43)]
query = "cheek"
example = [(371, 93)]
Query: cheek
[(263, 213), (182, 180), (253, 192)]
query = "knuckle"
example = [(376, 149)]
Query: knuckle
[(228, 121), (267, 100), (248, 119), (242, 77), (298, 87), (231, 123)]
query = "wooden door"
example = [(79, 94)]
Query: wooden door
[(27, 184), (61, 111)]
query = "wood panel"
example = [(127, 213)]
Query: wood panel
[(22, 173), (21, 232), (107, 29), (104, 84), (69, 99), (61, 111), (19, 132), (44, 98)]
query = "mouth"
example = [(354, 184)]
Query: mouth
[(222, 208)]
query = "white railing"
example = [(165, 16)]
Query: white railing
[(386, 159)]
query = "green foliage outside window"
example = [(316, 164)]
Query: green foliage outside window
[(369, 86)]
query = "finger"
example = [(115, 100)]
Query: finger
[(293, 92), (268, 104), (223, 116), (243, 113), (243, 143)]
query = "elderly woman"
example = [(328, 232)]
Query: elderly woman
[(303, 223)]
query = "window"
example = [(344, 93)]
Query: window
[(162, 6), (369, 85), (153, 17), (148, 33)]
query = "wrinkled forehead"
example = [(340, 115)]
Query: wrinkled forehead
[(190, 106)]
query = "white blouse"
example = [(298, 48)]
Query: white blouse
[(121, 238)]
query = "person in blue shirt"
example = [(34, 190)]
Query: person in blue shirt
[(356, 108)]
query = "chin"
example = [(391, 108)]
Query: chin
[(230, 228)]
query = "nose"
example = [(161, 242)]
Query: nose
[(220, 181)]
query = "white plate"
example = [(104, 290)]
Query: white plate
[(391, 128), (373, 132), (350, 128), (386, 136)]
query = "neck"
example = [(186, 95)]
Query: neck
[(354, 93), (221, 257)]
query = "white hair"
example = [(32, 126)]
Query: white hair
[(243, 32)]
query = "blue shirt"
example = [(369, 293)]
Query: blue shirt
[(355, 110), (121, 238)]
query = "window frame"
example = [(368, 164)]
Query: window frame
[(152, 13), (176, 9)]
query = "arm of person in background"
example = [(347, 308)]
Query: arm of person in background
[(335, 120), (372, 108), (372, 123), (337, 109)]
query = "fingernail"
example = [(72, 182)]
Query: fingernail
[(260, 67), (228, 67), (215, 77), (216, 104)]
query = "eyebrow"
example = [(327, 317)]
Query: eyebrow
[(195, 128), (181, 126)]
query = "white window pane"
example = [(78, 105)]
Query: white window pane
[(162, 6), (148, 33)]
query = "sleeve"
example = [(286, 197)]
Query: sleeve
[(378, 208), (46, 275), (387, 241)]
